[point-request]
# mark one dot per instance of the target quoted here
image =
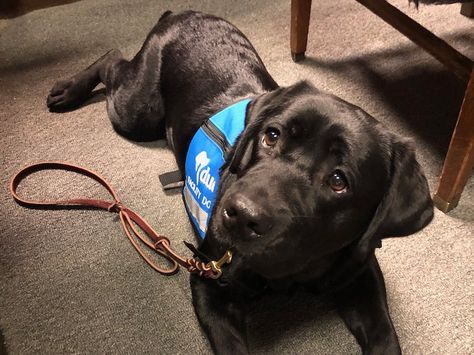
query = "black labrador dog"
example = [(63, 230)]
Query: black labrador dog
[(307, 192)]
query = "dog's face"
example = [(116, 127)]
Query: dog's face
[(311, 175)]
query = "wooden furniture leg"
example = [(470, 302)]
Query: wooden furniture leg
[(300, 13), (459, 161), (14, 8), (456, 62)]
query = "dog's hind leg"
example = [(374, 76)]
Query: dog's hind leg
[(134, 103), (69, 93)]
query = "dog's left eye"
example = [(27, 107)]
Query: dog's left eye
[(337, 181), (270, 137)]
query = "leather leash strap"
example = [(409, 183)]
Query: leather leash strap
[(128, 218)]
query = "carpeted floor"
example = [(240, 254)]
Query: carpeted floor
[(69, 280)]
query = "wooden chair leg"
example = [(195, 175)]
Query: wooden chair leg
[(456, 62), (14, 8), (467, 9), (300, 12), (459, 161)]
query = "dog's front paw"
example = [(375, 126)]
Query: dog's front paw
[(387, 345)]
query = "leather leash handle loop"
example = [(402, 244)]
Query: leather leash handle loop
[(23, 173), (128, 218)]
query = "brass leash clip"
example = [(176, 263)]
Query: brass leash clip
[(216, 265)]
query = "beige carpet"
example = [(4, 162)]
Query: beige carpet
[(69, 280)]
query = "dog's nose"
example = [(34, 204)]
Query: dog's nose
[(246, 216)]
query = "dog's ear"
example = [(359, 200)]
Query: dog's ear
[(260, 109), (244, 146), (406, 207)]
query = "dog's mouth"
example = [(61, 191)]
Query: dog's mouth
[(279, 251)]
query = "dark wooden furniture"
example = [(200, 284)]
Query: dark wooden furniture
[(15, 8), (459, 160)]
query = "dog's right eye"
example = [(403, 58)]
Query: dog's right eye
[(270, 137), (337, 181)]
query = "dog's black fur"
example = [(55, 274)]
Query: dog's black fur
[(305, 207)]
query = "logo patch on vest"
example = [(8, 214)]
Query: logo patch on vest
[(206, 155), (203, 171)]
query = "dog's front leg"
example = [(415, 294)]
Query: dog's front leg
[(223, 320), (363, 306)]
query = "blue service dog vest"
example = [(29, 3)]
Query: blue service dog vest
[(206, 155)]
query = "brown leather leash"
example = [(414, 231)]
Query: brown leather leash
[(128, 218)]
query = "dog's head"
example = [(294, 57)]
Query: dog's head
[(311, 175)]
